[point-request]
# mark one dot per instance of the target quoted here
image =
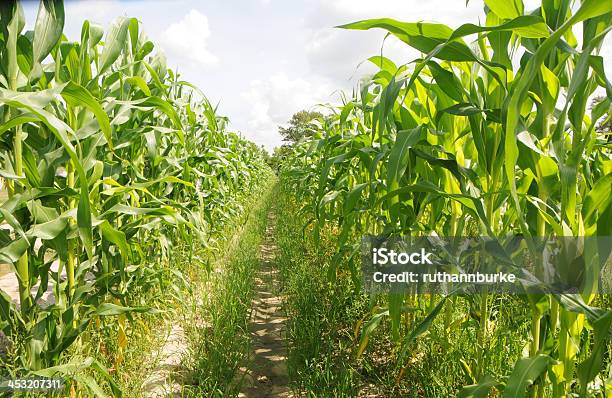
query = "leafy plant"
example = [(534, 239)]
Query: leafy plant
[(493, 138), (110, 160)]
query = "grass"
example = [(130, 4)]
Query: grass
[(321, 315), (217, 322)]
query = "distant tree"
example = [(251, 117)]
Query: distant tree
[(300, 126), (278, 157), (264, 154)]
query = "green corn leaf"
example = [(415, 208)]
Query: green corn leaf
[(575, 303), (101, 369), (48, 230), (116, 237), (398, 157), (597, 200), (506, 9), (110, 309), (421, 35), (96, 32), (352, 198), (384, 63), (591, 366), (447, 81), (463, 109), (140, 83), (13, 22), (48, 28), (76, 95), (528, 26), (12, 253), (133, 29), (67, 369), (114, 43), (91, 384), (525, 372), (395, 301), (368, 329), (423, 326), (479, 390), (13, 222), (17, 121)]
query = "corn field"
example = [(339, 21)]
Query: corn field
[(110, 161), (494, 137), (127, 192)]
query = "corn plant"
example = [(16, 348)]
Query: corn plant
[(110, 161), (490, 138)]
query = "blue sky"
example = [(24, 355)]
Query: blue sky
[(263, 60)]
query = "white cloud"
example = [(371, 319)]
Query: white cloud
[(96, 10), (187, 39), (337, 12), (274, 100), (340, 55), (336, 53)]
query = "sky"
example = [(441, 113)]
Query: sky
[(263, 60)]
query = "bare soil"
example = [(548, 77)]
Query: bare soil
[(266, 374), (165, 379)]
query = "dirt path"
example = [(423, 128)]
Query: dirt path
[(166, 377), (266, 375)]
